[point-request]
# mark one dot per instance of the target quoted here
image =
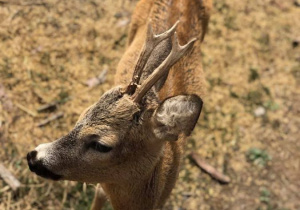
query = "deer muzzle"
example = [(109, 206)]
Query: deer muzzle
[(37, 166)]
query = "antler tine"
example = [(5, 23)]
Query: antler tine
[(176, 53), (152, 41)]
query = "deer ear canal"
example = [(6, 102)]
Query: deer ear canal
[(136, 117), (176, 115)]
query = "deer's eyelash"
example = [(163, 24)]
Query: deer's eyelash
[(99, 147)]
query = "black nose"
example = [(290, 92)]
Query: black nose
[(31, 159), (31, 155)]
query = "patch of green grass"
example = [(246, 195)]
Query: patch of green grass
[(264, 195), (271, 105), (265, 201), (258, 156)]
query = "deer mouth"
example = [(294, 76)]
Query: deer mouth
[(46, 173), (38, 168)]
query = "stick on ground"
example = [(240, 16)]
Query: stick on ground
[(25, 109), (12, 181), (49, 106), (100, 79), (209, 169), (50, 118)]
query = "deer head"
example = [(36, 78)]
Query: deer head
[(121, 136)]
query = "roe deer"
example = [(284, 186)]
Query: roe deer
[(131, 140)]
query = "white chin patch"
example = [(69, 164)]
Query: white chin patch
[(43, 151)]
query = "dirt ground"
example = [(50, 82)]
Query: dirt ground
[(249, 128)]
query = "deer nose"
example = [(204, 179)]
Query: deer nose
[(37, 166), (31, 155), (31, 159)]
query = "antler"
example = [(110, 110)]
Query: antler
[(176, 53), (152, 41)]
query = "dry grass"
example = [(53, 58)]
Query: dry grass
[(48, 51)]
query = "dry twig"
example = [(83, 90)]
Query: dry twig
[(97, 80), (51, 105), (209, 169), (10, 179), (50, 118), (25, 109)]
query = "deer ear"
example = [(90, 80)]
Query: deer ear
[(176, 115)]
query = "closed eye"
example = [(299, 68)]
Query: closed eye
[(99, 147)]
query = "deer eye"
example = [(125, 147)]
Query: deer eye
[(99, 147), (96, 145)]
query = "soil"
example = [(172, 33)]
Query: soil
[(249, 128)]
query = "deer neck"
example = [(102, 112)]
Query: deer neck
[(152, 190), (135, 194)]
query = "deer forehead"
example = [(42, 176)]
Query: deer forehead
[(112, 108), (109, 118)]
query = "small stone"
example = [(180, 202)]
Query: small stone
[(123, 22), (259, 111)]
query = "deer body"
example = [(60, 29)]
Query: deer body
[(131, 141), (185, 77)]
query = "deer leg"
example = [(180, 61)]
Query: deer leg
[(99, 198)]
